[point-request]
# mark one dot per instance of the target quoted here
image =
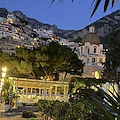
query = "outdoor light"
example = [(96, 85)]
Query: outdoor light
[(2, 80), (106, 49), (3, 75), (4, 69), (1, 83), (35, 39)]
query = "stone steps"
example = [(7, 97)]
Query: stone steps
[(2, 110)]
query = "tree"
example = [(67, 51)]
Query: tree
[(96, 3), (64, 110), (25, 62), (6, 91), (47, 60), (102, 105), (112, 58), (55, 58)]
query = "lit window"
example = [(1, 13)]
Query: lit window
[(96, 75)]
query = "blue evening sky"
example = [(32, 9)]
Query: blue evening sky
[(65, 15)]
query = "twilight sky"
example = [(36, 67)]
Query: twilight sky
[(65, 15)]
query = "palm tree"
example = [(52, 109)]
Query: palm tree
[(95, 4)]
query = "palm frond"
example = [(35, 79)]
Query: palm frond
[(92, 3), (113, 1), (52, 2), (95, 7), (106, 5), (72, 1)]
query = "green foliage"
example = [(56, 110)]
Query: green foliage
[(53, 109), (112, 58), (106, 106), (102, 105), (32, 118), (82, 83), (63, 110), (6, 91), (55, 58), (48, 61), (78, 110)]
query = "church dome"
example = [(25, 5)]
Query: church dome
[(91, 37)]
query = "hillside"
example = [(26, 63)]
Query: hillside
[(103, 26)]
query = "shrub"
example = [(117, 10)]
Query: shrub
[(24, 104), (28, 114), (32, 118)]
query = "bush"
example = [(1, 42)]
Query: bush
[(32, 118), (24, 104), (28, 114)]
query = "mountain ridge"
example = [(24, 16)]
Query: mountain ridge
[(103, 26)]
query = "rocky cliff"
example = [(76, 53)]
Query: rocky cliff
[(36, 24), (103, 26)]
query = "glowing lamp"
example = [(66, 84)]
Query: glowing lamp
[(4, 69), (3, 75), (2, 80), (1, 84)]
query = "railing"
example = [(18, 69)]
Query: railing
[(34, 97)]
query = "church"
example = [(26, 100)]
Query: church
[(91, 52)]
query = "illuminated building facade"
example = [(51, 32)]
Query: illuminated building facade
[(91, 52)]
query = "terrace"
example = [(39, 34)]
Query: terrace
[(31, 90)]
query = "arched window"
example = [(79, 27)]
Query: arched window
[(97, 75), (88, 51), (92, 29), (95, 49), (87, 60), (101, 60), (81, 50)]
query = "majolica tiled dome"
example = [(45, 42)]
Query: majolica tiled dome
[(91, 37)]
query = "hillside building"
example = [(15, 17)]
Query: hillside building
[(11, 18)]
